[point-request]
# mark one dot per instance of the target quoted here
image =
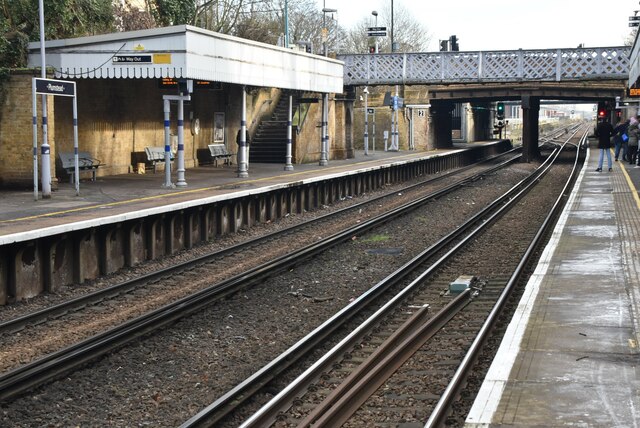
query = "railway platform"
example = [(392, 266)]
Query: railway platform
[(121, 221), (570, 355), (123, 194)]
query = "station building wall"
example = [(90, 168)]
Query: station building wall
[(118, 118), (16, 130)]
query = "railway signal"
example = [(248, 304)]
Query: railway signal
[(500, 111), (454, 43), (602, 110)]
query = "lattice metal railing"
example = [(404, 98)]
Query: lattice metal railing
[(503, 66)]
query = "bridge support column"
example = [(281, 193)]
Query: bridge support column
[(478, 122), (348, 109), (530, 114), (440, 125)]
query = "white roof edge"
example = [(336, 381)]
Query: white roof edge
[(158, 32), (110, 37)]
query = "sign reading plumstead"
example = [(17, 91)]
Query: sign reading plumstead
[(55, 87)]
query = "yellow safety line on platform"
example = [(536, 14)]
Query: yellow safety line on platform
[(634, 191), (184, 192)]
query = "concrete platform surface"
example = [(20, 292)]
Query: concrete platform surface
[(122, 194), (570, 356)]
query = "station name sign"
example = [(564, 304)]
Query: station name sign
[(55, 87), (132, 59)]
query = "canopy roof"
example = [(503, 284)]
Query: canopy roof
[(192, 53)]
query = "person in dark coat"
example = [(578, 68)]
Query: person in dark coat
[(619, 141), (604, 132)]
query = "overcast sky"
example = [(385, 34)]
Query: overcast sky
[(507, 24)]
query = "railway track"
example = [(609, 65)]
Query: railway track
[(332, 390), (76, 354), (153, 321)]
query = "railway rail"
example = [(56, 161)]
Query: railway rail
[(330, 402), (51, 367), (75, 355)]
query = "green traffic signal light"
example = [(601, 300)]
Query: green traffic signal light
[(500, 111)]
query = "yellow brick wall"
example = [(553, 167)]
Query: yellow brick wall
[(16, 130), (119, 116)]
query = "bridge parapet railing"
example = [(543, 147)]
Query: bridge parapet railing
[(502, 66)]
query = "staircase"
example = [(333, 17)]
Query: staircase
[(269, 144)]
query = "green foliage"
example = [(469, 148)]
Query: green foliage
[(20, 23), (174, 12)]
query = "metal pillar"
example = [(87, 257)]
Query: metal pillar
[(167, 144), (180, 170), (75, 144), (45, 149), (243, 170), (288, 165), (366, 122), (373, 125), (325, 137), (35, 141)]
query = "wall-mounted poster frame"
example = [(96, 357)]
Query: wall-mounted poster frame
[(218, 127)]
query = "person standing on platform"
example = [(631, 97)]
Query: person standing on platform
[(620, 139), (633, 132), (604, 132)]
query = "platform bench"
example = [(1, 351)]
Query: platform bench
[(155, 155), (85, 163), (219, 151)]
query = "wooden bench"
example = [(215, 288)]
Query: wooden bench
[(219, 151), (155, 155), (85, 163)]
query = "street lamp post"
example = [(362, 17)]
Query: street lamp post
[(375, 13), (286, 24), (324, 144), (44, 148), (392, 46)]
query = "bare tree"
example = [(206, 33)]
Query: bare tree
[(130, 17), (409, 33)]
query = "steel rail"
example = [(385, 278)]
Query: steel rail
[(63, 361), (347, 398), (268, 413), (441, 411), (61, 309)]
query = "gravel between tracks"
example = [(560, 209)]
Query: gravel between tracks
[(165, 379)]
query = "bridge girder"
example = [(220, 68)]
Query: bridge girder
[(588, 91)]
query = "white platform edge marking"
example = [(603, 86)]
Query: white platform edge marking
[(132, 215), (488, 398)]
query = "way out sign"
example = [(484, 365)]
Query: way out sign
[(58, 88)]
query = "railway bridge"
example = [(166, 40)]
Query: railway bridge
[(479, 78)]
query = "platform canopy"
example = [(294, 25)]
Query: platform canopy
[(191, 53)]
